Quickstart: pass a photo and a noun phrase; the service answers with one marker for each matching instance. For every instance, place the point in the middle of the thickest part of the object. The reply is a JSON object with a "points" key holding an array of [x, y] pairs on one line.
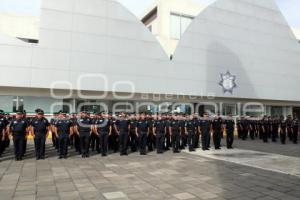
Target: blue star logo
{"points": [[228, 82]]}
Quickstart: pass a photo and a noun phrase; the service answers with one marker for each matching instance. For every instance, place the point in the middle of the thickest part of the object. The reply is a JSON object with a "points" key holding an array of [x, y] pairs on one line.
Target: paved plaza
{"points": [[212, 175]]}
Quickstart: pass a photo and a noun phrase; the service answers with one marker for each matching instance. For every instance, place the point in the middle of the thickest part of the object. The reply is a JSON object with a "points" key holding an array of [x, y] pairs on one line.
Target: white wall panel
{"points": [[15, 56], [55, 39], [62, 5], [91, 7], [50, 58], [54, 19], [89, 24]]}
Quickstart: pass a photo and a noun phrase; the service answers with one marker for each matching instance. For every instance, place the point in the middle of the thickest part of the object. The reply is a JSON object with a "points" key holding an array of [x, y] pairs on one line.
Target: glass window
{"points": [[185, 22], [179, 23], [175, 26], [18, 103]]}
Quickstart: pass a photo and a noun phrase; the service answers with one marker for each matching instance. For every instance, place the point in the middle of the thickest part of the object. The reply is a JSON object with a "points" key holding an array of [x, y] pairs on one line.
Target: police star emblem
{"points": [[228, 82]]}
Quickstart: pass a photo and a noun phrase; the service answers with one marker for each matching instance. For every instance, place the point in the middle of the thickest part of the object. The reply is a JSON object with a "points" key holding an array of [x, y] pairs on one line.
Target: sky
{"points": [[289, 8]]}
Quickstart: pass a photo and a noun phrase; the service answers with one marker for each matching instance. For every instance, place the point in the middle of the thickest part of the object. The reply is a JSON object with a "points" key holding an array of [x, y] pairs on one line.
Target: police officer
{"points": [[265, 129], [282, 129], [84, 129], [205, 128], [122, 127], [150, 137], [197, 134], [52, 127], [18, 128], [168, 133], [239, 127], [75, 137], [229, 124], [275, 127], [289, 127], [63, 130], [142, 131], [40, 128], [190, 130], [132, 135], [251, 126], [295, 129], [3, 125], [217, 130], [245, 129], [103, 129], [94, 138], [114, 137], [175, 131], [160, 129]]}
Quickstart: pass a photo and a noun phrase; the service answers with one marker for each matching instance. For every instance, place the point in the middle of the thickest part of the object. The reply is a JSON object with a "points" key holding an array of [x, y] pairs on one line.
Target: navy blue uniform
{"points": [[205, 126], [103, 129], [123, 128], [40, 129], [295, 126], [230, 132], [191, 127], [84, 129], [18, 127], [217, 132], [63, 130], [160, 131], [176, 129], [54, 139], [133, 136], [283, 130], [3, 124], [143, 131]]}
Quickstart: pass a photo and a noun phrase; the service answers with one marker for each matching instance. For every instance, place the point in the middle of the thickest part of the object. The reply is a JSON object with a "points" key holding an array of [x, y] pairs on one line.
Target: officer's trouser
{"points": [[283, 137], [103, 142], [229, 138], [274, 134], [295, 135], [176, 141], [84, 143], [191, 140], [265, 136], [94, 142], [290, 134], [39, 143], [168, 141], [217, 139], [245, 134], [63, 144], [133, 141], [205, 140], [252, 134], [142, 142], [123, 140], [77, 143], [19, 146], [1, 145], [197, 138], [150, 141], [184, 140], [160, 140]]}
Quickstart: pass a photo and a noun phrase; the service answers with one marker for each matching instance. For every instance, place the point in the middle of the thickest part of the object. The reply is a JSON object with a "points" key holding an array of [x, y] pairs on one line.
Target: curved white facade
{"points": [[250, 38]]}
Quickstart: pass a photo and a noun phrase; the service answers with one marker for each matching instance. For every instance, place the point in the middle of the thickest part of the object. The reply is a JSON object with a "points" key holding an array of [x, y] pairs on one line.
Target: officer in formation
{"points": [[3, 132], [40, 128], [269, 128], [143, 132]]}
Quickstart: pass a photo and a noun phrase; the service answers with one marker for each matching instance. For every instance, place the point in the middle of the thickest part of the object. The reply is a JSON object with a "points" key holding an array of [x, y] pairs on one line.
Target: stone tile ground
{"points": [[168, 176]]}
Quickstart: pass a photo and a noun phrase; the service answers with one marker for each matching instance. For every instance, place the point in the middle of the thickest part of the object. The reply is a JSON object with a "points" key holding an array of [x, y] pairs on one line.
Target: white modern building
{"points": [[96, 51], [169, 19]]}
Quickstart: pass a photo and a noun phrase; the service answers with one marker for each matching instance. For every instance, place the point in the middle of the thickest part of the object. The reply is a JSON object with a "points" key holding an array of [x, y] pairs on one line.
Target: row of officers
{"points": [[142, 132]]}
